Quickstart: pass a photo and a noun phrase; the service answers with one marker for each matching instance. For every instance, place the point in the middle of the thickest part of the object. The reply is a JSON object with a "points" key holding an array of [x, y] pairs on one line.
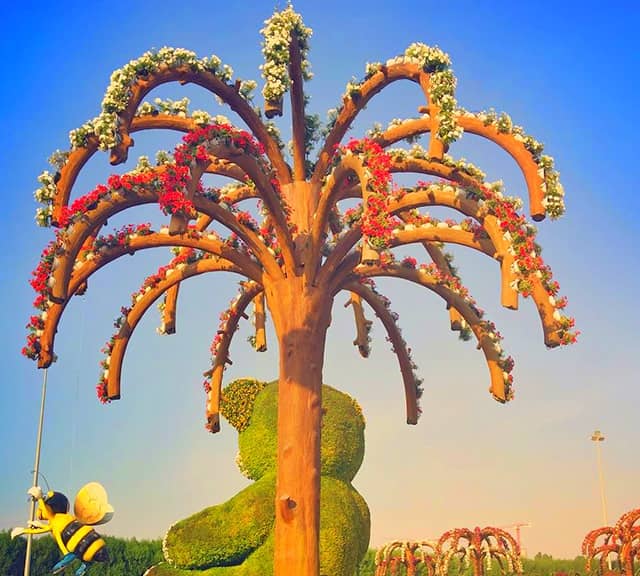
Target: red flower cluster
{"points": [[120, 237], [81, 205], [409, 262], [173, 182], [224, 132], [377, 224]]}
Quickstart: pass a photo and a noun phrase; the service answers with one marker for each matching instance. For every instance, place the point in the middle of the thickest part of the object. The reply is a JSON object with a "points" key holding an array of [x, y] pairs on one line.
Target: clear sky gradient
{"points": [[565, 71]]}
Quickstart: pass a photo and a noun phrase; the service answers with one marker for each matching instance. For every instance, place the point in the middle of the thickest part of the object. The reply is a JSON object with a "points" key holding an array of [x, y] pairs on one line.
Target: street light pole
{"points": [[597, 438]]}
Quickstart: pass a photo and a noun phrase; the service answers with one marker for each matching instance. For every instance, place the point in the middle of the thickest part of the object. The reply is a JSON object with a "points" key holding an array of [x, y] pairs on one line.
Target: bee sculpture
{"points": [[72, 532]]}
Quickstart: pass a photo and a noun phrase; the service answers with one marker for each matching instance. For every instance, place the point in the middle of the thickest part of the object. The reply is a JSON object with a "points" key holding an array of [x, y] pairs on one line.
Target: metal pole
{"points": [[598, 438], [36, 470]]}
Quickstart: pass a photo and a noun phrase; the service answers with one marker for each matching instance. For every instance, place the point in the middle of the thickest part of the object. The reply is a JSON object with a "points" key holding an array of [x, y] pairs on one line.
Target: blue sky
{"points": [[567, 73]]}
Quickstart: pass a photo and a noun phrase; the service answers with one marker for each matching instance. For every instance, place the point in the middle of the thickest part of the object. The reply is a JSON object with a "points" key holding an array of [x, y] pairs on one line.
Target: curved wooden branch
{"points": [[222, 357], [421, 199], [141, 306], [231, 198], [228, 93], [107, 207], [297, 108], [496, 247], [169, 311], [478, 326], [515, 148], [260, 315], [437, 256], [168, 322], [350, 163], [332, 193], [504, 253], [398, 343], [80, 156], [272, 202], [363, 326], [87, 268], [381, 79]]}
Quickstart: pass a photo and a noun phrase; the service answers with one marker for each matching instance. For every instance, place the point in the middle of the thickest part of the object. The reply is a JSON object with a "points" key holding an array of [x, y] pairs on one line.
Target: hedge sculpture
{"points": [[308, 248], [237, 537]]}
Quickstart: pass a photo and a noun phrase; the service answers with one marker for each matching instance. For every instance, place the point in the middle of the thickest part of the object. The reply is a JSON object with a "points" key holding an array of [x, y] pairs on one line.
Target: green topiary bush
{"points": [[236, 538]]}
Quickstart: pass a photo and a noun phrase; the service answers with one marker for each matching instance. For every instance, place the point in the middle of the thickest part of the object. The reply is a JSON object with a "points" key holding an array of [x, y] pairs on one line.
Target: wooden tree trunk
{"points": [[301, 323], [477, 564]]}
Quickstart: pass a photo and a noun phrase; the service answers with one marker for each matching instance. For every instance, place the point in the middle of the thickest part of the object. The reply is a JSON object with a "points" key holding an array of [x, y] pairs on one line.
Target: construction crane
{"points": [[517, 526]]}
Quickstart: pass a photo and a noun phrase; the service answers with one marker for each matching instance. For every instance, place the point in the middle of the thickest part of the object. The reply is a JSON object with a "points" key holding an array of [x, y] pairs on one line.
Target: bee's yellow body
{"points": [[81, 540]]}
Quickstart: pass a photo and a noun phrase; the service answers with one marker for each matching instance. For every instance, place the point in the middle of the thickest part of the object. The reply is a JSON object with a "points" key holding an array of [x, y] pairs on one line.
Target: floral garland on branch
{"points": [[47, 193], [187, 257], [441, 85], [277, 33], [552, 189], [410, 129], [366, 288], [119, 90], [171, 178], [429, 274], [376, 222], [229, 320], [517, 231]]}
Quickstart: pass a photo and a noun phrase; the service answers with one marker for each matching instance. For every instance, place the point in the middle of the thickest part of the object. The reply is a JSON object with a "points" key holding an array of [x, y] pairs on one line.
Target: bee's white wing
{"points": [[92, 505]]}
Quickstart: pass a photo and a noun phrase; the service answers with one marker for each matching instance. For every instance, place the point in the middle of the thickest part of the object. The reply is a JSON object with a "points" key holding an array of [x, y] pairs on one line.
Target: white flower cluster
{"points": [[119, 91], [246, 89], [552, 189], [375, 131], [162, 304], [353, 88], [79, 136], [143, 165], [165, 547], [242, 466], [553, 201], [274, 132], [431, 58], [43, 216], [168, 106], [442, 85], [47, 191], [464, 166], [371, 68], [45, 195], [275, 48]]}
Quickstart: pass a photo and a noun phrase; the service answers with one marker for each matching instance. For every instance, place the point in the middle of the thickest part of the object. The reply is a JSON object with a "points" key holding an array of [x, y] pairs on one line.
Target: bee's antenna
{"points": [[44, 478]]}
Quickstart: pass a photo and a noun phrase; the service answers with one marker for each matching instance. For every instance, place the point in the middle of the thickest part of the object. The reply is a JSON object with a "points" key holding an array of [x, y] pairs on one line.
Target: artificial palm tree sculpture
{"points": [[478, 548], [618, 544], [307, 249]]}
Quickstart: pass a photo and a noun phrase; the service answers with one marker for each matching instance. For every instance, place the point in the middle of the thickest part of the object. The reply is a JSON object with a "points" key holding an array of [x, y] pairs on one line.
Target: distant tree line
{"points": [[128, 557], [131, 557]]}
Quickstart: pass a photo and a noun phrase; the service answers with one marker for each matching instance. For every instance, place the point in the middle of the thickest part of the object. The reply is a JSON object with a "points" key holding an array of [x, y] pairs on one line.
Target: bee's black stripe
{"points": [[85, 542], [69, 530]]}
